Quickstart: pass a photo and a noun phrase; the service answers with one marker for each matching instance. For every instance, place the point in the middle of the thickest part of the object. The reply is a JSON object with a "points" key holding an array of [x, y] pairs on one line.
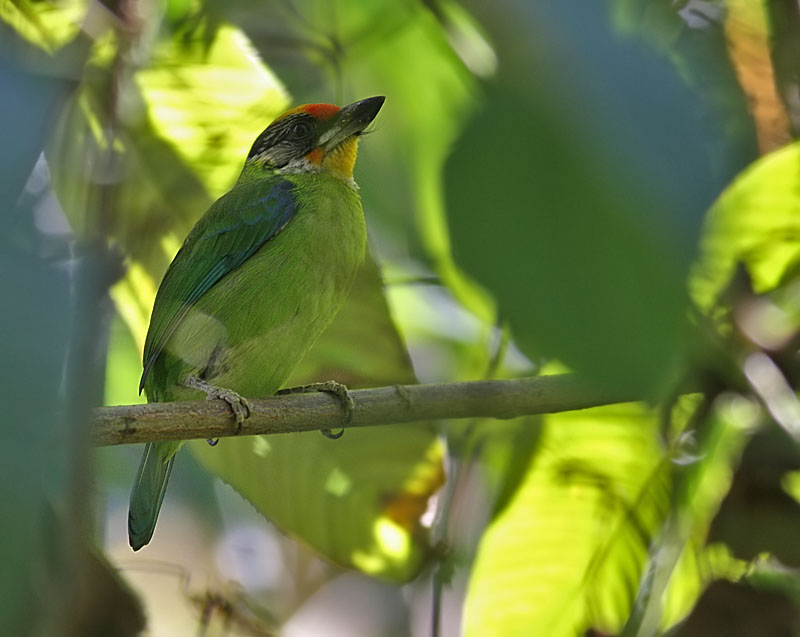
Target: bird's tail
{"points": [[148, 491]]}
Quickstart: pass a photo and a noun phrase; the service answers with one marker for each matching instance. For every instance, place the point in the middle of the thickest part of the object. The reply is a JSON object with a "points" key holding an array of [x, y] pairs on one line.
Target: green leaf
{"points": [[755, 222], [183, 126], [575, 196], [602, 510], [570, 548], [208, 101], [358, 500], [682, 561], [48, 25], [407, 197]]}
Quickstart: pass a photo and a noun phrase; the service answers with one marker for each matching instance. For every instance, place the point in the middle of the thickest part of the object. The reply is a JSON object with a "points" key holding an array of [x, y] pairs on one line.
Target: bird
{"points": [[256, 281]]}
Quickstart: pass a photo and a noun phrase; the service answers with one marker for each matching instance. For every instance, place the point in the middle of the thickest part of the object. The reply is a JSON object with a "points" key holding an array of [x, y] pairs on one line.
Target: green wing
{"points": [[232, 230]]}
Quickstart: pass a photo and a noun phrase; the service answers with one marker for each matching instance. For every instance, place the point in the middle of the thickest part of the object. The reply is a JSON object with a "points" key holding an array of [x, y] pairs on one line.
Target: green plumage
{"points": [[256, 282], [258, 278]]}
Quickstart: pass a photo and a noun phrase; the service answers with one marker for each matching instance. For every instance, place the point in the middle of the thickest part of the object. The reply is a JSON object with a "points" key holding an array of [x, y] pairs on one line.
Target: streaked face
{"points": [[288, 138], [315, 138]]}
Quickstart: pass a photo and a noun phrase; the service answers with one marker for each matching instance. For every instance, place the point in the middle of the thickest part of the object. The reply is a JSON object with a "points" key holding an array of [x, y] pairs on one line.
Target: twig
{"points": [[379, 406]]}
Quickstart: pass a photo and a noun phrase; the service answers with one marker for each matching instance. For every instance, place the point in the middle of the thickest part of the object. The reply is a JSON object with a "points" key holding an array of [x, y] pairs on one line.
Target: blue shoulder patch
{"points": [[244, 230]]}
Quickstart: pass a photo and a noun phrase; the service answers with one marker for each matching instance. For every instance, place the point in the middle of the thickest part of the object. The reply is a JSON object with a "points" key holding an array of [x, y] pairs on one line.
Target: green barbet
{"points": [[257, 280]]}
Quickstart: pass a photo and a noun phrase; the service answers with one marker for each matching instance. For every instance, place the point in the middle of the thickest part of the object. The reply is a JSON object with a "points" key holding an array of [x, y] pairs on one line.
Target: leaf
{"points": [[209, 101], [41, 326], [755, 222], [571, 545], [709, 441], [191, 111], [575, 196], [406, 198], [47, 25], [600, 505], [358, 501], [183, 127], [361, 347]]}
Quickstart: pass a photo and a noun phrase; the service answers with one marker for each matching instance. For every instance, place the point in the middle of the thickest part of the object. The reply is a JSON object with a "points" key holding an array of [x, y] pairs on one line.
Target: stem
{"points": [[379, 406]]}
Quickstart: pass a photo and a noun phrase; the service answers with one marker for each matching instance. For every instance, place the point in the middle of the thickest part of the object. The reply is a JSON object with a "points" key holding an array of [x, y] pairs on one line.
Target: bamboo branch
{"points": [[379, 406]]}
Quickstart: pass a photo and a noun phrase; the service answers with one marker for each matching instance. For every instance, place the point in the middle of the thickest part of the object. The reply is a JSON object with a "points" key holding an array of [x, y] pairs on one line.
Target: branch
{"points": [[379, 406]]}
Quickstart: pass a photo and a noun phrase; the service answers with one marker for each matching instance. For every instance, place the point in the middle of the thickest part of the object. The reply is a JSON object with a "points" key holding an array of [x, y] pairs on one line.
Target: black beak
{"points": [[351, 120]]}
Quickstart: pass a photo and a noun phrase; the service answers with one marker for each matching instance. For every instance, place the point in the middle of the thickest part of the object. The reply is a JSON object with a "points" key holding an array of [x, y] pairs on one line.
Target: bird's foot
{"points": [[328, 433], [238, 404], [330, 387]]}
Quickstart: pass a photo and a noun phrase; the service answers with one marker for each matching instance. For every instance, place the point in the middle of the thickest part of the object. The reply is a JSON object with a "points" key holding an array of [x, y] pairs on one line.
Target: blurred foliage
{"points": [[607, 188], [739, 610], [567, 201]]}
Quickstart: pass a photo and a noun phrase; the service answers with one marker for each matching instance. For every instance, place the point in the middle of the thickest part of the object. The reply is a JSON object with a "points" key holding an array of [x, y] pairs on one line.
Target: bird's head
{"points": [[315, 138]]}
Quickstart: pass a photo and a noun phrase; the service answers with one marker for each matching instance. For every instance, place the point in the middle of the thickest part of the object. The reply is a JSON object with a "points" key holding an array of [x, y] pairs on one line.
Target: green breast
{"points": [[250, 329]]}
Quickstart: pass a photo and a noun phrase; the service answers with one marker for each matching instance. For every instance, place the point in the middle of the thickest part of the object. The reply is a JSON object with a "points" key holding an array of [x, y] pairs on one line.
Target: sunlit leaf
{"points": [[48, 25], [209, 102], [681, 561], [598, 508], [357, 500], [755, 222], [183, 127], [570, 548]]}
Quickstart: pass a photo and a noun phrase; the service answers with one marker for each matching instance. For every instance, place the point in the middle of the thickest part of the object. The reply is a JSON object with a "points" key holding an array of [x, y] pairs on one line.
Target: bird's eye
{"points": [[300, 130]]}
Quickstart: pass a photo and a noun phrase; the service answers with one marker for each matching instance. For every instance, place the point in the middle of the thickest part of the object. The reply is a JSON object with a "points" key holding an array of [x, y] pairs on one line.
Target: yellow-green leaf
{"points": [[570, 548], [603, 504], [48, 25], [357, 500], [183, 125], [756, 222]]}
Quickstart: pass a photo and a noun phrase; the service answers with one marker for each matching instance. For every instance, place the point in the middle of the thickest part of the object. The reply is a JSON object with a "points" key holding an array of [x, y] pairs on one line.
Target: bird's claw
{"points": [[343, 394], [329, 387], [239, 404]]}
